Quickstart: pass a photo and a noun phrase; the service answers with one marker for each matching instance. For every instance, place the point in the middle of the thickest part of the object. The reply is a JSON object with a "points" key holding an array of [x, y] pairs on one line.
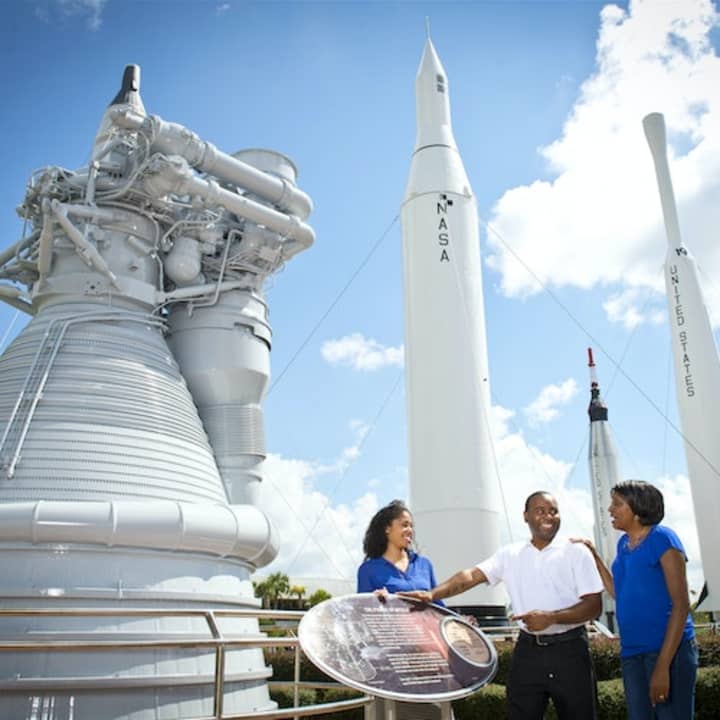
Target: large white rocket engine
{"points": [[130, 412]]}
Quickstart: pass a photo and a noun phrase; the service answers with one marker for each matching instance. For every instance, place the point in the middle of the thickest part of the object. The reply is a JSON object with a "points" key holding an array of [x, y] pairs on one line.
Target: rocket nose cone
{"points": [[434, 126], [430, 62], [654, 127], [129, 93]]}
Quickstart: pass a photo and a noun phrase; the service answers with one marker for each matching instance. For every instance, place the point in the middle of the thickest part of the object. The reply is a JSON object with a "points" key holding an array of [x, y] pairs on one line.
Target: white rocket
{"points": [[452, 480], [697, 369], [604, 473]]}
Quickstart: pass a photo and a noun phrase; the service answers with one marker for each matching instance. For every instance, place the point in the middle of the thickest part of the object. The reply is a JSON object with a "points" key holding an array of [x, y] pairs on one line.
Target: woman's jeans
{"points": [[636, 673]]}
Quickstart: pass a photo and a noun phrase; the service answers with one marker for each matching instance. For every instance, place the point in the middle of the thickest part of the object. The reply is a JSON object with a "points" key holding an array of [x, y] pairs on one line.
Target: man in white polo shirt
{"points": [[554, 589]]}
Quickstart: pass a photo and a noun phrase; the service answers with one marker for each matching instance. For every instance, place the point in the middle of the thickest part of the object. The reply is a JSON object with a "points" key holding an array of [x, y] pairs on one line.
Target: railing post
{"points": [[219, 694], [296, 676]]}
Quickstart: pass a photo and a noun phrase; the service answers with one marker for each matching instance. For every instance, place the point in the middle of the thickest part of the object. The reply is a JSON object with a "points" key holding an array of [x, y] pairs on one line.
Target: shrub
{"points": [[611, 700], [487, 703], [707, 693], [606, 658], [504, 650], [709, 647]]}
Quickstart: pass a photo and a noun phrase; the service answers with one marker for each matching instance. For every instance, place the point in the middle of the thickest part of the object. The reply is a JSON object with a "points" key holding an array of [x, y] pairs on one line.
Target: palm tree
{"points": [[298, 590], [277, 584], [318, 596]]}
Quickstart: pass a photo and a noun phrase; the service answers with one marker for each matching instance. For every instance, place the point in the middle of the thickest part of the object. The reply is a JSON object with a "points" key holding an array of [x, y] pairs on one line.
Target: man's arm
{"points": [[458, 583], [589, 607]]}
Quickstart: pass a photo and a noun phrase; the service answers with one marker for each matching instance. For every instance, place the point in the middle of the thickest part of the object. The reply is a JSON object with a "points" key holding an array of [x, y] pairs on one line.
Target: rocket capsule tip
{"points": [[129, 93], [654, 127], [591, 361]]}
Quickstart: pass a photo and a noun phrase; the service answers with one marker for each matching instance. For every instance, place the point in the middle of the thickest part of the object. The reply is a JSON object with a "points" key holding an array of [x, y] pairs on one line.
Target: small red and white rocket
{"points": [[604, 473]]}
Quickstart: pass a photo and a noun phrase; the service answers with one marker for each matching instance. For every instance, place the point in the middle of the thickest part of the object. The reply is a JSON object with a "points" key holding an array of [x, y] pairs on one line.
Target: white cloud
{"points": [[598, 220], [91, 10], [322, 539], [317, 537], [680, 516], [544, 407], [525, 469], [222, 8], [361, 353], [629, 308]]}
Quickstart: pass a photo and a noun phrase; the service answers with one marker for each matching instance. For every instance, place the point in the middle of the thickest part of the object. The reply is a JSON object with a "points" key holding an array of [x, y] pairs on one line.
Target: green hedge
{"points": [[490, 701]]}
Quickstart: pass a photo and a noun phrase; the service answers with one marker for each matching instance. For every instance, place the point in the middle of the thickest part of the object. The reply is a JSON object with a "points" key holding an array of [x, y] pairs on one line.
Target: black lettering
{"points": [[442, 208], [444, 257], [443, 239], [442, 225]]}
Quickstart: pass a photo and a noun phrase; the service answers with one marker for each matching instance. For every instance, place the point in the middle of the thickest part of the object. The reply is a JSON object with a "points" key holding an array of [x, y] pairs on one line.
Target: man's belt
{"points": [[544, 640]]}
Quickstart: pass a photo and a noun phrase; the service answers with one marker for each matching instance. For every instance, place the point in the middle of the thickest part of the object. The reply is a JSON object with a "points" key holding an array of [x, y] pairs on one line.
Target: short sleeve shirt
{"points": [[378, 573], [553, 578], [642, 600]]}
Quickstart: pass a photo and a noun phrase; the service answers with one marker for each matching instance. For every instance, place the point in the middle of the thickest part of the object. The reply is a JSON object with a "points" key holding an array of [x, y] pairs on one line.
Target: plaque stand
{"points": [[383, 709]]}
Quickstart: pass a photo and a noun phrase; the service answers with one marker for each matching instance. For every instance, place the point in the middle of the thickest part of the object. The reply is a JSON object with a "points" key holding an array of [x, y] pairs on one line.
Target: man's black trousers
{"points": [[558, 667]]}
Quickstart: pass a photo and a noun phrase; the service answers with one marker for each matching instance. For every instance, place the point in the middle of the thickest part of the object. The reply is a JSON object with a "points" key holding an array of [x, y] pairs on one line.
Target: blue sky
{"points": [[547, 101]]}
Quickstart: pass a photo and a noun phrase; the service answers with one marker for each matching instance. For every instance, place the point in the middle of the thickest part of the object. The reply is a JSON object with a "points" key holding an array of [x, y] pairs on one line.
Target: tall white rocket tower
{"points": [[604, 474], [453, 486], [697, 369]]}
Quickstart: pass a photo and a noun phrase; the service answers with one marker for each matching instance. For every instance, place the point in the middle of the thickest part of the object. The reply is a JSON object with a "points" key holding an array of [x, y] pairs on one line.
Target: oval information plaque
{"points": [[399, 649]]}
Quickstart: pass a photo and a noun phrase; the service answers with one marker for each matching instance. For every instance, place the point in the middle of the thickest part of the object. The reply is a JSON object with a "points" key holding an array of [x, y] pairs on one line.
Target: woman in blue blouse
{"points": [[390, 563], [658, 652]]}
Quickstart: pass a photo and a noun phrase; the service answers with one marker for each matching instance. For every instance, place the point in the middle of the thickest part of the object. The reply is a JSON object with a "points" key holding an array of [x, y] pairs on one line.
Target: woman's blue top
{"points": [[378, 573], [642, 600]]}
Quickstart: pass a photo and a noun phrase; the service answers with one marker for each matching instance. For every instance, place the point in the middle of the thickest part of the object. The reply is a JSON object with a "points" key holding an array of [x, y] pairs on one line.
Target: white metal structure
{"points": [[604, 473], [130, 412], [697, 369], [453, 486]]}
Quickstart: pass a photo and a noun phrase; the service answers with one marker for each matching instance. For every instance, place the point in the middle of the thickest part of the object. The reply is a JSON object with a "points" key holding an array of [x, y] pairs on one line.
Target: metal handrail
{"points": [[216, 641]]}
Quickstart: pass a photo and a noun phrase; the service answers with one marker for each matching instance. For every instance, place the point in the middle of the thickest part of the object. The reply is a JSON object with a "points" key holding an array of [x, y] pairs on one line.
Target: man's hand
{"points": [[422, 595], [535, 620]]}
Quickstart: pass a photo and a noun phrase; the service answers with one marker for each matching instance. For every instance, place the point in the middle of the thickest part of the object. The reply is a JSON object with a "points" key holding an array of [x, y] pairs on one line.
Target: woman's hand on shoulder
{"points": [[587, 543]]}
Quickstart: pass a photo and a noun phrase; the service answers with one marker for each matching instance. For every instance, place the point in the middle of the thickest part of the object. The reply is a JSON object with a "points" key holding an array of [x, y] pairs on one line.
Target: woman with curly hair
{"points": [[391, 565]]}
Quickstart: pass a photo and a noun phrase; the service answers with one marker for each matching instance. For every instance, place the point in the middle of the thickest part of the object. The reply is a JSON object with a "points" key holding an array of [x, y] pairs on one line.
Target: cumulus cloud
{"points": [[361, 353], [318, 536], [544, 407], [322, 538], [680, 516], [627, 307], [596, 220], [89, 10]]}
